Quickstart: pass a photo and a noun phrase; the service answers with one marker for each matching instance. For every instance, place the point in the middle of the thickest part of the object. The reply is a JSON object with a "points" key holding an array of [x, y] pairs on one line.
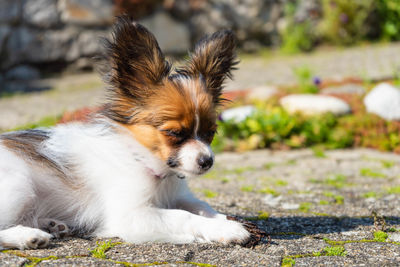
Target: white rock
{"points": [[394, 237], [290, 206], [314, 104], [262, 92], [384, 101], [237, 114], [173, 36], [272, 200]]}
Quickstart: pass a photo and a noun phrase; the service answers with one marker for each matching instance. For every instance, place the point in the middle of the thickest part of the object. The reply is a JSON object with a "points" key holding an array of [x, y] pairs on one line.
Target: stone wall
{"points": [[39, 36]]}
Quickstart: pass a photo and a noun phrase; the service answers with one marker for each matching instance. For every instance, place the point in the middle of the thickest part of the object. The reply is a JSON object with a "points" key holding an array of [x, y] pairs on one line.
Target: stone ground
{"points": [[70, 92], [319, 209]]}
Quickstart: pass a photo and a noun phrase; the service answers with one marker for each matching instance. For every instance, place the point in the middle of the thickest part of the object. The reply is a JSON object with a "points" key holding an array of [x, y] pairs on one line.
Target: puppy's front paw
{"points": [[30, 238], [225, 231]]}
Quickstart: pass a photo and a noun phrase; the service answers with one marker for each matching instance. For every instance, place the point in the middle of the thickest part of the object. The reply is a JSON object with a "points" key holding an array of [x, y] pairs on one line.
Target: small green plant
{"points": [[370, 173], [335, 251], [305, 81], [247, 188], [338, 181], [267, 190], [211, 175], [387, 164], [263, 215], [394, 190], [241, 170], [324, 202], [305, 206], [317, 254], [338, 198], [209, 193], [269, 165], [380, 236], [369, 194], [281, 183], [102, 248], [318, 152], [288, 262], [44, 122]]}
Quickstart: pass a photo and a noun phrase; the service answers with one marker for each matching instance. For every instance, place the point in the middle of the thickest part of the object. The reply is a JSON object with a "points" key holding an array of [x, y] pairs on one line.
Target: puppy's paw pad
{"points": [[37, 239], [57, 228]]}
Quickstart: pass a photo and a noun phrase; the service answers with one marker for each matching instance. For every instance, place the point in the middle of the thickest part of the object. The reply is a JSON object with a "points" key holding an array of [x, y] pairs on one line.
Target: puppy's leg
{"points": [[22, 237], [196, 206], [57, 228], [179, 226], [187, 201]]}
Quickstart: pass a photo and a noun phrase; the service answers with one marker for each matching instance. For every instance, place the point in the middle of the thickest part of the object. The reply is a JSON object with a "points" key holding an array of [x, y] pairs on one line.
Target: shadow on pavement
{"points": [[298, 226]]}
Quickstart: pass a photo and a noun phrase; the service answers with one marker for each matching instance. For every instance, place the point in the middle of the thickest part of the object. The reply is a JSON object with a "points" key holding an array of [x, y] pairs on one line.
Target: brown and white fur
{"points": [[122, 173]]}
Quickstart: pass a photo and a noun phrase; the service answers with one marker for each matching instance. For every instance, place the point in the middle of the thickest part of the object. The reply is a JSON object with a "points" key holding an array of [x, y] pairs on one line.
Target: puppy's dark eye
{"points": [[178, 135]]}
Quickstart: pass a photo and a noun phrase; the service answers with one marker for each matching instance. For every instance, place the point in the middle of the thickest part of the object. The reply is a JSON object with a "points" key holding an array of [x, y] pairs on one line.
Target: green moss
{"points": [[101, 249], [370, 173], [337, 198], [247, 188], [44, 122], [318, 152], [209, 193], [225, 180], [338, 181], [268, 190], [263, 215], [288, 262], [369, 194], [394, 190], [211, 175], [317, 254], [387, 164], [335, 251], [324, 202], [305, 206], [380, 236], [241, 170], [281, 183], [269, 165], [33, 261]]}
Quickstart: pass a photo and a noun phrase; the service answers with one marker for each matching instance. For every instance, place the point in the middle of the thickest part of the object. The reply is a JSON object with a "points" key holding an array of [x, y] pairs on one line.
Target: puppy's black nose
{"points": [[205, 162]]}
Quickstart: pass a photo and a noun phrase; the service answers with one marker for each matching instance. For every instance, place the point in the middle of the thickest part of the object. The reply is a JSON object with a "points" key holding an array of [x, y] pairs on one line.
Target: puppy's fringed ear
{"points": [[136, 68], [213, 59]]}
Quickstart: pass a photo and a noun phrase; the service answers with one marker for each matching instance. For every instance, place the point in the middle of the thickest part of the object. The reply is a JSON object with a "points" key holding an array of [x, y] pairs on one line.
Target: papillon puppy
{"points": [[123, 173]]}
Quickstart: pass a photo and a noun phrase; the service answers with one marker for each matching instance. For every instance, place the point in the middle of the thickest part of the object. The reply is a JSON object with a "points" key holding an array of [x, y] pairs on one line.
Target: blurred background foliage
{"points": [[341, 22]]}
